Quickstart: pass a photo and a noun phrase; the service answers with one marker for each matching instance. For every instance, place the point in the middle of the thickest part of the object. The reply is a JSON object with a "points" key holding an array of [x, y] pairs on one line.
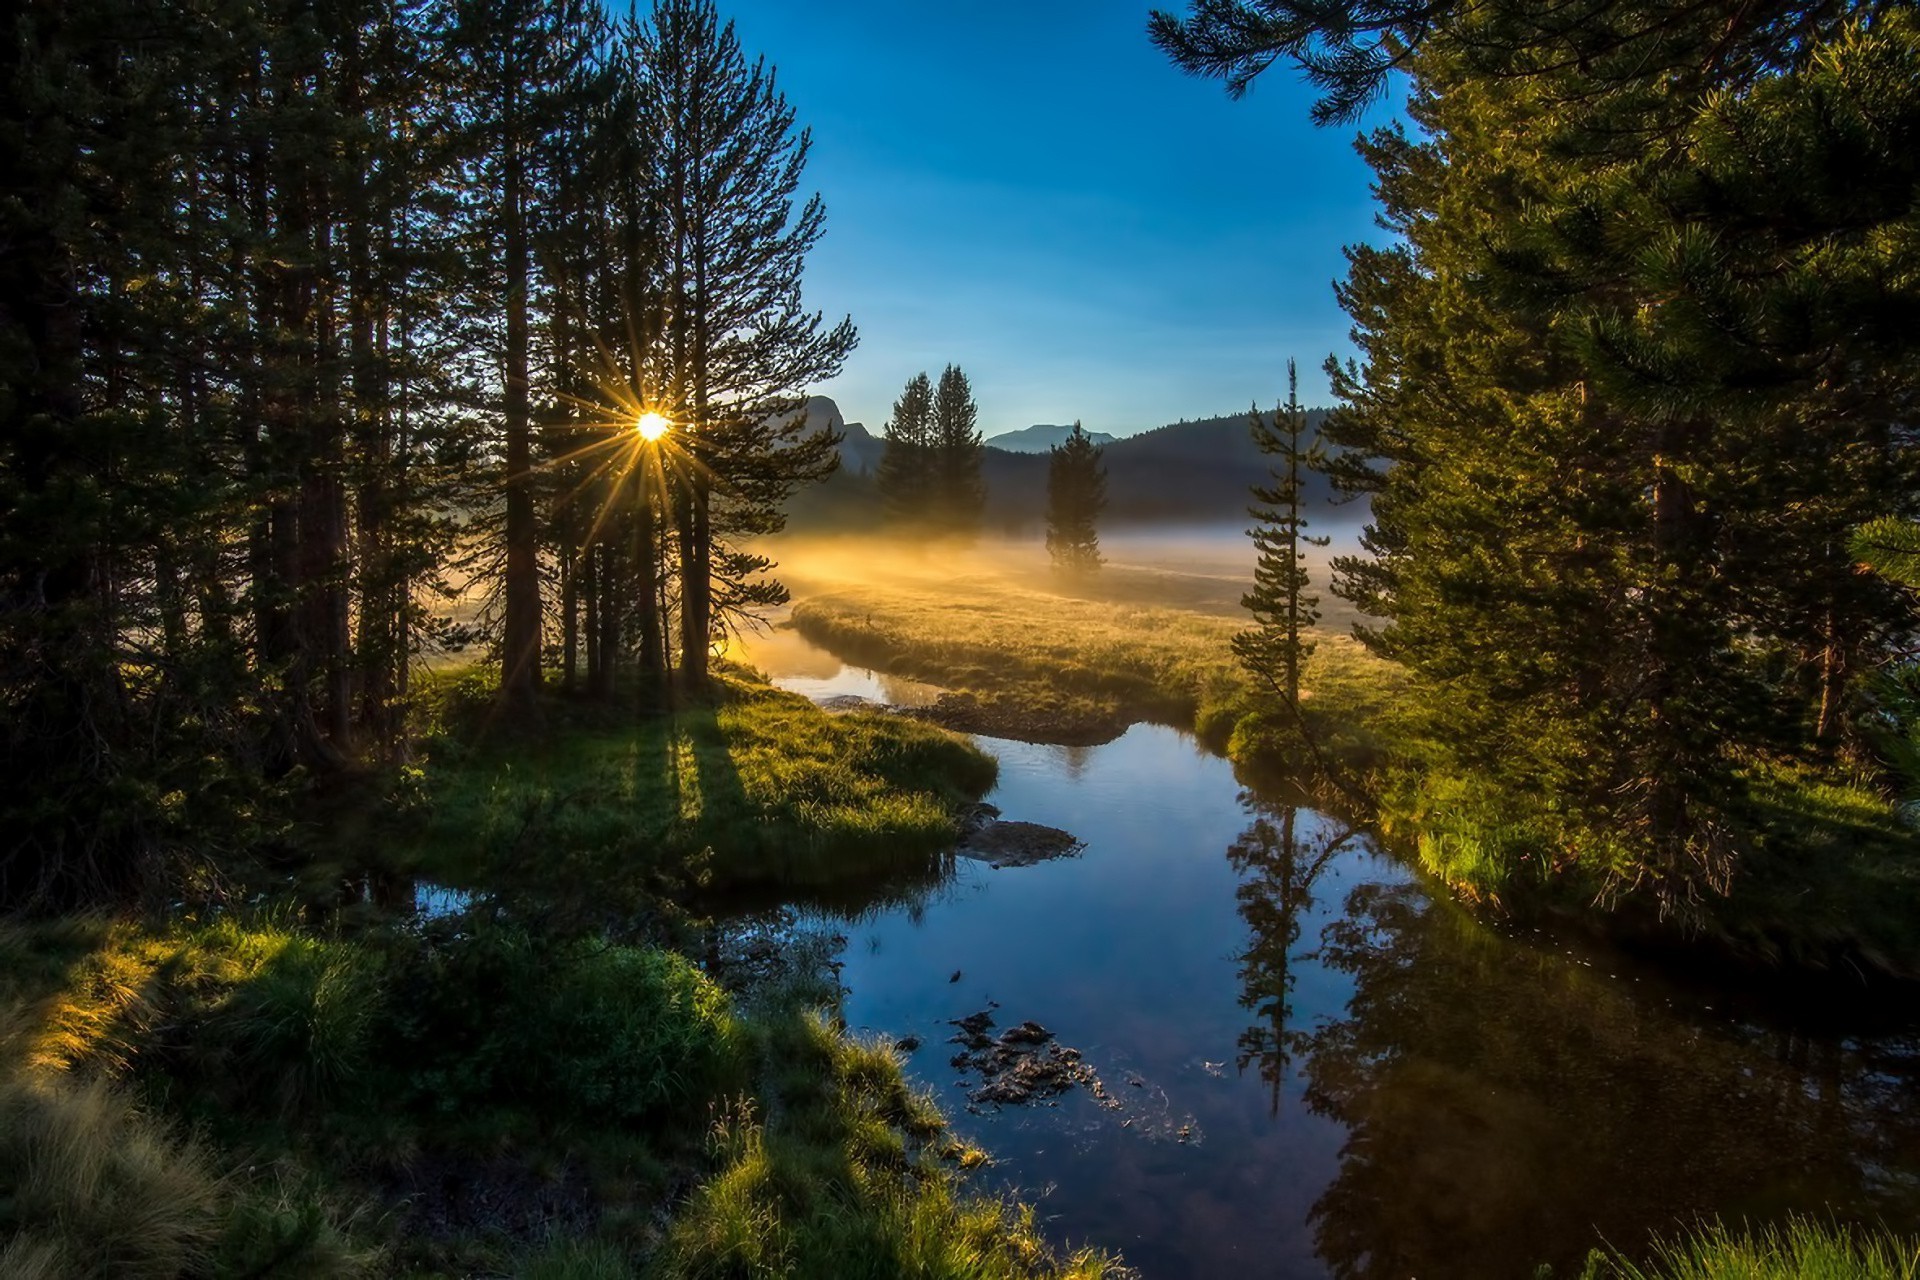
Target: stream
{"points": [[1314, 1066]]}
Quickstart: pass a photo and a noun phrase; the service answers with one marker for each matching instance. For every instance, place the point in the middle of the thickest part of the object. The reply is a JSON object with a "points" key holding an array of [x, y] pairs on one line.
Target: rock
{"points": [[955, 977], [1028, 1032], [1023, 1066], [975, 816], [973, 1023], [847, 702], [907, 1044], [1018, 844]]}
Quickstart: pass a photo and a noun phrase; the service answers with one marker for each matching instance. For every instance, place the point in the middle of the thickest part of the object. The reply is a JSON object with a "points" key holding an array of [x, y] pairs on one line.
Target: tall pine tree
{"points": [[906, 473], [741, 349], [1282, 601], [960, 494]]}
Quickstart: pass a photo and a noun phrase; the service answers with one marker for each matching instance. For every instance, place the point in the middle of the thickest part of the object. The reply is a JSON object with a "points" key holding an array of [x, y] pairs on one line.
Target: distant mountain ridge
{"points": [[1182, 473], [1040, 438]]}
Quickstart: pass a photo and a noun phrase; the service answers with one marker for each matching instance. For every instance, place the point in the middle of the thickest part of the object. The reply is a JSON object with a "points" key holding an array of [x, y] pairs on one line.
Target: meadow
{"points": [[1828, 881]]}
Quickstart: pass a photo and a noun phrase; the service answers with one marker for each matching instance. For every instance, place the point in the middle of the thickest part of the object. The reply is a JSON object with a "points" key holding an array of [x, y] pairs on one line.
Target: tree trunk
{"points": [[520, 649]]}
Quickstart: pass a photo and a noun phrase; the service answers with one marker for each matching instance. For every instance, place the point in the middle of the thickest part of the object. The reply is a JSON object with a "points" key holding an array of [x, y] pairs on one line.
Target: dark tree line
{"points": [[1641, 356], [312, 311]]}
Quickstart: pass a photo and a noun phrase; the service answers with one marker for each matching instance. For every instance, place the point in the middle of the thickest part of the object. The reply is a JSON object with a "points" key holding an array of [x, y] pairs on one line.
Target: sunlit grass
{"points": [[1055, 654], [1803, 1249], [845, 1173], [754, 787]]}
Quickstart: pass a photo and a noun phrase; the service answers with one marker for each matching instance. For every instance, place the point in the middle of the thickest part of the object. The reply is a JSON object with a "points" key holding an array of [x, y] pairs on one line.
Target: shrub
{"points": [[574, 1031]]}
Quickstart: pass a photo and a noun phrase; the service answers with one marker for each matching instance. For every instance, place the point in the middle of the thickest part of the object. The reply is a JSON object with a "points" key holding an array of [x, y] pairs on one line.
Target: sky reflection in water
{"points": [[1372, 1083]]}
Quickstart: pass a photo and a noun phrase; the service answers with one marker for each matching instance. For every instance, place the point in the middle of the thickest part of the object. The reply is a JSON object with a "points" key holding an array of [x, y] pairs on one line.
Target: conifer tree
{"points": [[1282, 602], [1076, 495], [741, 349], [960, 494], [1629, 376], [522, 57], [906, 472]]}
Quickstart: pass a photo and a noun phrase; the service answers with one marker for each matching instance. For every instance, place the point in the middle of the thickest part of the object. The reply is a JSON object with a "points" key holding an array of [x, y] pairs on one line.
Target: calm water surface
{"points": [[1324, 1071]]}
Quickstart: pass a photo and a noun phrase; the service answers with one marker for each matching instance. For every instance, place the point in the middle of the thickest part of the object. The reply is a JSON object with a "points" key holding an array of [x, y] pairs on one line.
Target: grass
{"points": [[1828, 880], [755, 787], [273, 1091], [843, 1171], [1802, 1249], [1054, 657], [469, 1049]]}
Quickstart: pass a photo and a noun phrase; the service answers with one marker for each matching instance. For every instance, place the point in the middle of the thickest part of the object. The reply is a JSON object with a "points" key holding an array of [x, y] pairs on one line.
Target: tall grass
{"points": [[841, 1177], [1802, 1249], [94, 1188]]}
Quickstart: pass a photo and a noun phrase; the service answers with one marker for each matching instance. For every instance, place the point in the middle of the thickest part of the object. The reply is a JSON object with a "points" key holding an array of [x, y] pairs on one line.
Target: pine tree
{"points": [[522, 57], [1282, 602], [1629, 376], [741, 348], [1076, 495], [906, 472], [960, 494]]}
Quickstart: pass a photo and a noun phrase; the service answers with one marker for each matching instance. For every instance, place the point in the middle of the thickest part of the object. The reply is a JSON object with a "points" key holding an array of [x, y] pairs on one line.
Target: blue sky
{"points": [[1033, 192]]}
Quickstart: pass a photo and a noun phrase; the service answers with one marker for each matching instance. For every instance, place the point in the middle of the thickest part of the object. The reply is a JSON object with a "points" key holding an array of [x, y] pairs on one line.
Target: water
{"points": [[1323, 1070]]}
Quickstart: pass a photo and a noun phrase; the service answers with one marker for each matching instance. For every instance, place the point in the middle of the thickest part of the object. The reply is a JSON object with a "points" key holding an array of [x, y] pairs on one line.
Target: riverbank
{"points": [[1829, 880], [560, 1078]]}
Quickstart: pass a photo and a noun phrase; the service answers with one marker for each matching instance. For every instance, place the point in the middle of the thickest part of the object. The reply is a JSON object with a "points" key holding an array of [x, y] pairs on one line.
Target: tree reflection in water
{"points": [[1507, 1105], [1278, 863]]}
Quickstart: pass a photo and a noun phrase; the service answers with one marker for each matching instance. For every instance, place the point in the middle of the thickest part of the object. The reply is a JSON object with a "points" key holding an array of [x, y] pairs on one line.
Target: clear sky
{"points": [[1032, 192]]}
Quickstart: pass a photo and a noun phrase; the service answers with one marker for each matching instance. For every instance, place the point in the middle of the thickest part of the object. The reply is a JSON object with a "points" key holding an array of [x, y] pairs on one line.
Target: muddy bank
{"points": [[1019, 844]]}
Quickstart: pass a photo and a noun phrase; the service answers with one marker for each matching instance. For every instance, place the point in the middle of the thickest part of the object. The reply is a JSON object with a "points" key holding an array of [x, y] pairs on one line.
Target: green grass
{"points": [[468, 1048], [842, 1171], [1803, 1249], [756, 787], [261, 1092]]}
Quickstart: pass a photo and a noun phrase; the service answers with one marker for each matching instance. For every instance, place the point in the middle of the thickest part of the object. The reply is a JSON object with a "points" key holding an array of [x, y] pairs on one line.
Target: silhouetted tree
{"points": [[741, 349], [960, 494], [908, 457], [1076, 495]]}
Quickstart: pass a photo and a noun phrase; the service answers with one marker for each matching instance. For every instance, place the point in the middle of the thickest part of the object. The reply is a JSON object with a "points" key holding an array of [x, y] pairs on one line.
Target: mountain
{"points": [[1185, 473], [1039, 438], [859, 449]]}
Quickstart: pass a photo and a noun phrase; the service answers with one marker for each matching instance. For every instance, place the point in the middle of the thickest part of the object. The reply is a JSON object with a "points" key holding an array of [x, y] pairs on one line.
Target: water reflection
{"points": [[1278, 859], [1505, 1106], [1421, 1092]]}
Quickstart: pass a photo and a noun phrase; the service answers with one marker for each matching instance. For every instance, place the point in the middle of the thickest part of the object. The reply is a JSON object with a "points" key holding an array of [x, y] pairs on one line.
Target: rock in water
{"points": [[1018, 844]]}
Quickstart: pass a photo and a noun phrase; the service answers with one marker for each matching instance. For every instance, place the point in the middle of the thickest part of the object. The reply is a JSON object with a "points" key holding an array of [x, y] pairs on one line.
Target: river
{"points": [[1319, 1067]]}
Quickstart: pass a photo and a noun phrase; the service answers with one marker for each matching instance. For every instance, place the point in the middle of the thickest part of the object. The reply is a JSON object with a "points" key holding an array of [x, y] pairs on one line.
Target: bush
{"points": [[574, 1031], [299, 1027]]}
